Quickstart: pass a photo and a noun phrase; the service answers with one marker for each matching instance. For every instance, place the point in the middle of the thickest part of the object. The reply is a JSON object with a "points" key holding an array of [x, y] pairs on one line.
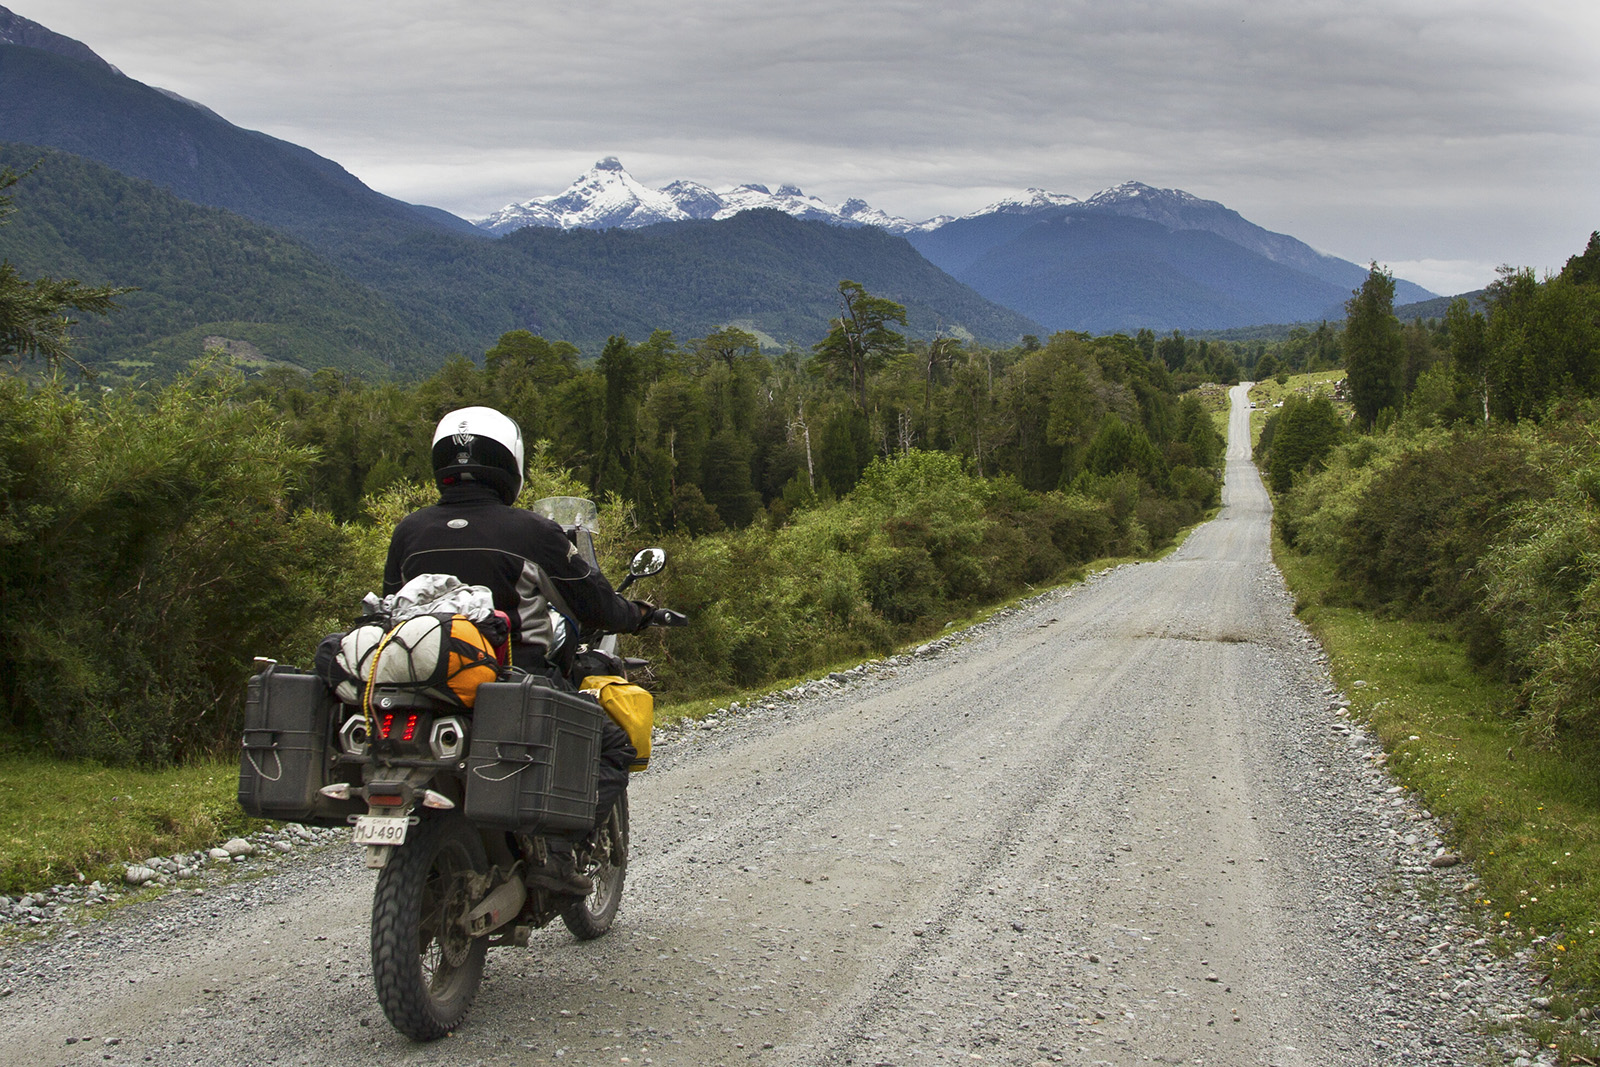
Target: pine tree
{"points": [[860, 339], [32, 314], [1374, 348]]}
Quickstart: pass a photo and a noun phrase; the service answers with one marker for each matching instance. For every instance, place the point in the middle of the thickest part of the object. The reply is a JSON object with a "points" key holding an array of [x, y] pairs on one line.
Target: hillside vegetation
{"points": [[379, 299], [818, 505], [764, 270], [199, 272]]}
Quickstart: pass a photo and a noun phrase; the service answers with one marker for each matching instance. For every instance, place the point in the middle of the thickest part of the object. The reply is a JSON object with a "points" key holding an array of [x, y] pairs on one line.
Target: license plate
{"points": [[381, 829]]}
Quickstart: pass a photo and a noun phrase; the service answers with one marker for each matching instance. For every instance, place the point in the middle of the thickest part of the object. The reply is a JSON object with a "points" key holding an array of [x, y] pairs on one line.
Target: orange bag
{"points": [[443, 656]]}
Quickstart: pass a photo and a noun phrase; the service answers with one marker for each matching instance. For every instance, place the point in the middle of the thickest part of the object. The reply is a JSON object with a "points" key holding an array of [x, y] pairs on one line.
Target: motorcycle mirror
{"points": [[648, 561]]}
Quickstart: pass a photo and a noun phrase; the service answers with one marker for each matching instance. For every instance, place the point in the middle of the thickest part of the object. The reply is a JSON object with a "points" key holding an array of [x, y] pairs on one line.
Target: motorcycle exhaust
{"points": [[449, 738], [353, 737]]}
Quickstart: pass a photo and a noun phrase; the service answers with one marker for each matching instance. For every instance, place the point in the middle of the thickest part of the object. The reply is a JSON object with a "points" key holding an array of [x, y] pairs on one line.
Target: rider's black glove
{"points": [[646, 610]]}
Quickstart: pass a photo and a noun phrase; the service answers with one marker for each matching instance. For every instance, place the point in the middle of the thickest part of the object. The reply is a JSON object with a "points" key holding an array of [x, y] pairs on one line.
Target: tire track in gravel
{"points": [[1122, 823]]}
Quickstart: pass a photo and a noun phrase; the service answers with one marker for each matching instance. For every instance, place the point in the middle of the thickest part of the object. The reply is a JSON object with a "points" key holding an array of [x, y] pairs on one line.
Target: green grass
{"points": [[1268, 394], [1526, 815], [60, 821]]}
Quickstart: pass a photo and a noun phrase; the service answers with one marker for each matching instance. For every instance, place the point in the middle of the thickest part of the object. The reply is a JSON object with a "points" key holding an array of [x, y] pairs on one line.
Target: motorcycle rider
{"points": [[536, 575]]}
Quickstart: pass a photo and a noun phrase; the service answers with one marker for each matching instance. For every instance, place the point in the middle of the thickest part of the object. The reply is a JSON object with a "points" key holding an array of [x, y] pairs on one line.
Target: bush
{"points": [[1407, 522], [1162, 518], [918, 542], [151, 555], [1416, 536], [1034, 537], [1542, 580], [1314, 515]]}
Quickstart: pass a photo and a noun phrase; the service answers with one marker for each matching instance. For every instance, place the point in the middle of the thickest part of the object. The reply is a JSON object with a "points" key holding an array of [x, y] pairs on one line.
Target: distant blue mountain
{"points": [[1103, 274], [1135, 256]]}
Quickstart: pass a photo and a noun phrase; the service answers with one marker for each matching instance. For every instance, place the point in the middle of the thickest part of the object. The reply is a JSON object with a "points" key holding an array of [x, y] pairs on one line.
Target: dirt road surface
{"points": [[1124, 823]]}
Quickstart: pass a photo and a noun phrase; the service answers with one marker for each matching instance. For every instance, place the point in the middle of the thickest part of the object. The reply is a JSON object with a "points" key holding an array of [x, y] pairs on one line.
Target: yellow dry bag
{"points": [[630, 707]]}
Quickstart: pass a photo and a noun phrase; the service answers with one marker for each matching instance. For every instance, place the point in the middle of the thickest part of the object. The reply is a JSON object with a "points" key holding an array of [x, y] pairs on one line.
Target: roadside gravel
{"points": [[1124, 822]]}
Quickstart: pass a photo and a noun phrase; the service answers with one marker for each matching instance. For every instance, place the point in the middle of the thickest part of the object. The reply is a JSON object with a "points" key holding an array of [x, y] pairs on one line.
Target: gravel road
{"points": [[1126, 822]]}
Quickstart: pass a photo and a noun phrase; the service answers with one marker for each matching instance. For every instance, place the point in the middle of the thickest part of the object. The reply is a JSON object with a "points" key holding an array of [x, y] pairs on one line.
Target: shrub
{"points": [[1314, 515], [1408, 521], [1421, 526], [918, 542], [1542, 580], [151, 555]]}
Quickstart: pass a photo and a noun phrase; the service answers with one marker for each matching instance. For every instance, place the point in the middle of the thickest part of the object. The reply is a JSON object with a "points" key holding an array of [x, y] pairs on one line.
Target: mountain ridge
{"points": [[395, 307], [14, 29], [1005, 270], [86, 107], [607, 196], [1111, 273]]}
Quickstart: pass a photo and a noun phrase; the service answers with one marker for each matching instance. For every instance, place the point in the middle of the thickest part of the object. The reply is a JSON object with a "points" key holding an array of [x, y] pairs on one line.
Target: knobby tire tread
{"points": [[396, 941], [586, 923]]}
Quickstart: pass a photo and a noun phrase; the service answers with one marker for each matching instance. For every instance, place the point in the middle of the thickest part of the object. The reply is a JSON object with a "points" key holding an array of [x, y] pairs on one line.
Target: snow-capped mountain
{"points": [[609, 197], [1000, 250], [1035, 201], [606, 197]]}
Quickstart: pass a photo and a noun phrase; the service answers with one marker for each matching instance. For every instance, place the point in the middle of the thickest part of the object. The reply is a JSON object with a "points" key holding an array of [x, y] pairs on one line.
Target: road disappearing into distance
{"points": [[1124, 822]]}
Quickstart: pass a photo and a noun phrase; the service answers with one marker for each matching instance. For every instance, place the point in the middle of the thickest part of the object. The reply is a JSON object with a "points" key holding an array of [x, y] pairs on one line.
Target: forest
{"points": [[1463, 490], [161, 538], [817, 505]]}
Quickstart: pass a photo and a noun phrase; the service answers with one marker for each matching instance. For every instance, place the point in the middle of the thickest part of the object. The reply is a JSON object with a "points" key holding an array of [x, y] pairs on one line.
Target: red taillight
{"points": [[411, 728], [384, 724], [385, 802]]}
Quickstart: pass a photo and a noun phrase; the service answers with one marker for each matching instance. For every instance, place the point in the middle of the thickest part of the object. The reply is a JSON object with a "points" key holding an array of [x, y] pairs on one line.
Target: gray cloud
{"points": [[1409, 131]]}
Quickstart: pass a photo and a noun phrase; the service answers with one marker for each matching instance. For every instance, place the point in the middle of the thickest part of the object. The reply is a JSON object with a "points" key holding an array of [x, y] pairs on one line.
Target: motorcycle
{"points": [[456, 808]]}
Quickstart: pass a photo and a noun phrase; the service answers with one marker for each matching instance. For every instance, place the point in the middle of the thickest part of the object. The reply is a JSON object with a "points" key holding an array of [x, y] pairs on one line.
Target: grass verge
{"points": [[65, 822], [1527, 816]]}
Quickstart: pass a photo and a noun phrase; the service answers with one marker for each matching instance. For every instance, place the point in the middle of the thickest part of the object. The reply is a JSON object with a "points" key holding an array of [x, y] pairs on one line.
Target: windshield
{"points": [[569, 511]]}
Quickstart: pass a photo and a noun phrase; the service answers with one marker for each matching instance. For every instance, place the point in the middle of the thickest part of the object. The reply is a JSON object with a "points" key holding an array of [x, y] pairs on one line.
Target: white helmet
{"points": [[479, 445]]}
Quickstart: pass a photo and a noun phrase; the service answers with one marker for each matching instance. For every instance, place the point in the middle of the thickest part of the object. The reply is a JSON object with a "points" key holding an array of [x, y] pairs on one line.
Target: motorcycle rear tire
{"points": [[425, 967], [604, 858]]}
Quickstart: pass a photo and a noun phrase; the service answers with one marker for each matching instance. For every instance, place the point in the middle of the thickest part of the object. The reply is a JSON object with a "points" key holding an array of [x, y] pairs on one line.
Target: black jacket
{"points": [[525, 560]]}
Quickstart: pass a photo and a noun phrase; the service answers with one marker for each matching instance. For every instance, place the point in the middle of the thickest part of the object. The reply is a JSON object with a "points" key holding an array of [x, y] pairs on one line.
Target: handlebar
{"points": [[667, 617]]}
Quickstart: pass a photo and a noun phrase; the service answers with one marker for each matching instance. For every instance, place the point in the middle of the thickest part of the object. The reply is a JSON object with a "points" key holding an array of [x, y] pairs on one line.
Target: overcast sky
{"points": [[1440, 137]]}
